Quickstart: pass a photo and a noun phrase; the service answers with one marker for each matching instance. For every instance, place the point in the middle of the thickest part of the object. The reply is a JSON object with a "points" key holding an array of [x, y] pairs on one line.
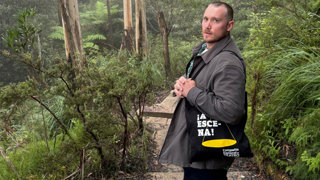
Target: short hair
{"points": [[229, 8]]}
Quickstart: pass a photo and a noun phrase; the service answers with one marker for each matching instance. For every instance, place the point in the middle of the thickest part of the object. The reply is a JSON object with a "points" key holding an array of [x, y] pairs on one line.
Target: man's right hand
{"points": [[178, 86]]}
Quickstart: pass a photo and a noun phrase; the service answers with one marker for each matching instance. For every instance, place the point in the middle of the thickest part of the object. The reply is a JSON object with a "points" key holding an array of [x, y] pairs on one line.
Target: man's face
{"points": [[215, 24]]}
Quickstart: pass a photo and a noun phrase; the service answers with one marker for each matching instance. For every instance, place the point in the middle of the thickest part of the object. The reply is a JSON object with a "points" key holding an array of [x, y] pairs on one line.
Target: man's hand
{"points": [[178, 86], [188, 84], [183, 86]]}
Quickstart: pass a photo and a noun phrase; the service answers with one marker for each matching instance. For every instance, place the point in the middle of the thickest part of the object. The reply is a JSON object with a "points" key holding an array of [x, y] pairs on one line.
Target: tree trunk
{"points": [[141, 28], [165, 34], [127, 40], [72, 33], [109, 27], [125, 134]]}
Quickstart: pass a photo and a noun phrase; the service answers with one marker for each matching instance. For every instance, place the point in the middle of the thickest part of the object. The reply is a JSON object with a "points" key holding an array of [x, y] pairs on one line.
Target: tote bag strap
{"points": [[194, 75]]}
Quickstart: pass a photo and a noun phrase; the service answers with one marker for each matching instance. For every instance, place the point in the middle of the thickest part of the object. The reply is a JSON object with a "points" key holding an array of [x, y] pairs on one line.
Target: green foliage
{"points": [[283, 65], [181, 56], [97, 25], [180, 52], [131, 76], [97, 112], [57, 33], [240, 32], [97, 16], [88, 41], [16, 93], [306, 138], [22, 38], [94, 26], [90, 106], [35, 160], [101, 101], [313, 163], [46, 16]]}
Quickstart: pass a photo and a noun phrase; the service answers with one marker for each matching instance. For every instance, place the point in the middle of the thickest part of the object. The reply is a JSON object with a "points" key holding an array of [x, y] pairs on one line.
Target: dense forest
{"points": [[75, 77]]}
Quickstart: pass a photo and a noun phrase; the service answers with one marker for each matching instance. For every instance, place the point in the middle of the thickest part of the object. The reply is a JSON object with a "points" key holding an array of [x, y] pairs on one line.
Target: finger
{"points": [[182, 80], [190, 82], [178, 83], [178, 93], [177, 86]]}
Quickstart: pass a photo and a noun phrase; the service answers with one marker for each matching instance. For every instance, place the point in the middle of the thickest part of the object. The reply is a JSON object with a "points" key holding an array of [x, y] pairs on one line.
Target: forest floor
{"points": [[242, 168]]}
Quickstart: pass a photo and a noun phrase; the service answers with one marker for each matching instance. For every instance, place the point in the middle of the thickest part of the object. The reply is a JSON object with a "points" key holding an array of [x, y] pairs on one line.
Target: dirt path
{"points": [[242, 168]]}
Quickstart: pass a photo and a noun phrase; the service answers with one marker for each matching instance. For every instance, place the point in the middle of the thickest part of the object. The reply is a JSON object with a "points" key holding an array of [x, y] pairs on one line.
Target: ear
{"points": [[230, 25]]}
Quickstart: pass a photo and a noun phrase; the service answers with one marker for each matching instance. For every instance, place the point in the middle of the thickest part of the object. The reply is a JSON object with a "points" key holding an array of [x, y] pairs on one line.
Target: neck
{"points": [[213, 43], [210, 45]]}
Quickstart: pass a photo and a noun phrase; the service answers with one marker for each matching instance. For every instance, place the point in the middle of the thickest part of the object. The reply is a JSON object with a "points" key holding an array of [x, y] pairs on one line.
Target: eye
{"points": [[216, 20], [205, 19]]}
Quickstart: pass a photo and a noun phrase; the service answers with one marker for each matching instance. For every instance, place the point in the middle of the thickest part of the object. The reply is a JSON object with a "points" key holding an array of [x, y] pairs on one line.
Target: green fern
{"points": [[288, 65], [313, 163], [96, 16], [90, 45], [57, 33], [93, 37]]}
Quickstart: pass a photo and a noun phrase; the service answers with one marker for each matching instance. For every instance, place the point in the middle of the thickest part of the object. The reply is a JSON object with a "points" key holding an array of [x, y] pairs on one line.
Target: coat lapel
{"points": [[208, 56]]}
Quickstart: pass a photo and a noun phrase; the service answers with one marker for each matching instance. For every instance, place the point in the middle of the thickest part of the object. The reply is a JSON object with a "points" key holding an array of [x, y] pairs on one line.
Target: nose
{"points": [[208, 25]]}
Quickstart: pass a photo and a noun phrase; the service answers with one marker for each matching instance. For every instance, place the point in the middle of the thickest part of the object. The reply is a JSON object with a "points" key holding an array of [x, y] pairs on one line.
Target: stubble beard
{"points": [[215, 40]]}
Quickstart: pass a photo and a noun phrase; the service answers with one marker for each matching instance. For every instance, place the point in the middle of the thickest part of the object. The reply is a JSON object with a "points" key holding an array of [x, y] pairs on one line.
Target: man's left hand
{"points": [[188, 84]]}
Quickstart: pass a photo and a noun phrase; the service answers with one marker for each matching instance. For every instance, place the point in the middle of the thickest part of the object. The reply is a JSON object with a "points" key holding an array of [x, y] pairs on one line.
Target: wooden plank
{"points": [[158, 114], [163, 110]]}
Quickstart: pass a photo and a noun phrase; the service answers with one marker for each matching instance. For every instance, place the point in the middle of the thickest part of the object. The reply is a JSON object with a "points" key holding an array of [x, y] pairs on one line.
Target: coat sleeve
{"points": [[225, 98]]}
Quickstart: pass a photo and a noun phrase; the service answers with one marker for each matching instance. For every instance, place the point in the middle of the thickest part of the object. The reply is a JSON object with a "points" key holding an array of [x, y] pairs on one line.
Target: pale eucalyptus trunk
{"points": [[128, 38], [72, 33], [141, 28]]}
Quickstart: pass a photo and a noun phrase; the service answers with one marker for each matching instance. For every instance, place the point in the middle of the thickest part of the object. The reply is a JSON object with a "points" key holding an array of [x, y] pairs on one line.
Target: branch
{"points": [[71, 175], [18, 58], [144, 101], [8, 161], [131, 116], [122, 109], [152, 26], [52, 113], [140, 109], [7, 118], [66, 83], [290, 10], [6, 53], [95, 138]]}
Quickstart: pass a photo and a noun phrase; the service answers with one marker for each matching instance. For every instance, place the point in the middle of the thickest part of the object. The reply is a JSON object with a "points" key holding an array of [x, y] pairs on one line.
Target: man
{"points": [[218, 91]]}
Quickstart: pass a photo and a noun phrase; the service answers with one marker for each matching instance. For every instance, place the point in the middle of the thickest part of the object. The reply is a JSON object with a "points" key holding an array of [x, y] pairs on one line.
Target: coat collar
{"points": [[211, 53]]}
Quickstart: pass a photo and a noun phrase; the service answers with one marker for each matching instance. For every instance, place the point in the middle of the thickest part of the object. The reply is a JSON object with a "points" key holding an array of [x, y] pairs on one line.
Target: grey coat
{"points": [[219, 94]]}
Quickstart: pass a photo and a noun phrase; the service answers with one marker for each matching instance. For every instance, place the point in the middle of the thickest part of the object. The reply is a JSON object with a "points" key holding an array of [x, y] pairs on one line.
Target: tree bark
{"points": [[165, 34], [141, 28], [72, 33], [125, 133], [109, 27], [127, 39]]}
